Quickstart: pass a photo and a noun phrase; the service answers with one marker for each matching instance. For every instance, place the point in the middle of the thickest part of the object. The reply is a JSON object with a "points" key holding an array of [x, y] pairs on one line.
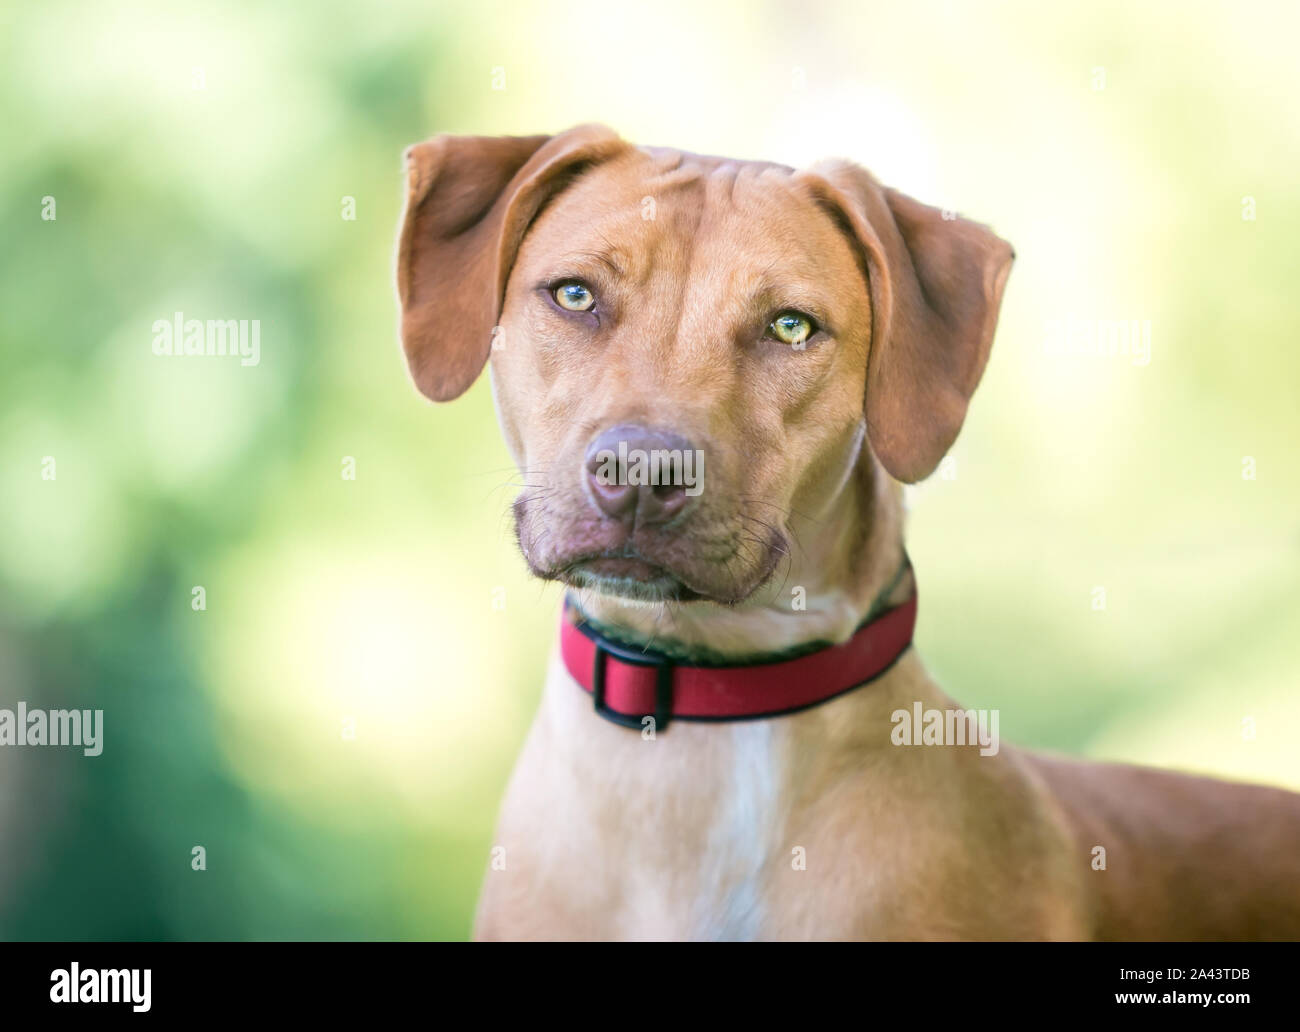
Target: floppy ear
{"points": [[469, 201], [936, 286]]}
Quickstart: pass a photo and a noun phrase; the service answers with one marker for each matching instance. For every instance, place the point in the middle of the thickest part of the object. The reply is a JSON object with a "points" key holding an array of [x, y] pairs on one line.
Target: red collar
{"points": [[628, 684]]}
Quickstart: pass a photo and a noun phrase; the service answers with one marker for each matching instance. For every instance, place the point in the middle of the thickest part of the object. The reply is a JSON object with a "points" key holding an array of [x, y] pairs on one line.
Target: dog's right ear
{"points": [[469, 201]]}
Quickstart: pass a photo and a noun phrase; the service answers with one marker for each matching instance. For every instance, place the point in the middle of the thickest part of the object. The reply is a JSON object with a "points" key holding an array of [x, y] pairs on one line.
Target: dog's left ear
{"points": [[469, 202], [936, 286]]}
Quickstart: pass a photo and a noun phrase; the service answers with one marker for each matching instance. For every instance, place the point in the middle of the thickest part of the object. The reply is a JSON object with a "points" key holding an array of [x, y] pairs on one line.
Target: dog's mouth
{"points": [[654, 565], [628, 576]]}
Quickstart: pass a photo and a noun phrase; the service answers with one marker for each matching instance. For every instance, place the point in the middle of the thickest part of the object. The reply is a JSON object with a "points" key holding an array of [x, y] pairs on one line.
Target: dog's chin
{"points": [[629, 578], [613, 565], [634, 578]]}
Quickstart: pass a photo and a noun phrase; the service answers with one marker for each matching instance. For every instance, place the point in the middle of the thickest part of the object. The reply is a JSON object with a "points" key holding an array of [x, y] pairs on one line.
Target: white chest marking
{"points": [[743, 836]]}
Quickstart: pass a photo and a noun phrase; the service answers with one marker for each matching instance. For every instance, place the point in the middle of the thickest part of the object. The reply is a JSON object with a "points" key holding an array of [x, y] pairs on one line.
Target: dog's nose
{"points": [[642, 474]]}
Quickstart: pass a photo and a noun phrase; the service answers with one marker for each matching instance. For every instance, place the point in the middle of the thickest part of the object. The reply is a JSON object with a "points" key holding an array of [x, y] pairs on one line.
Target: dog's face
{"points": [[682, 347], [646, 307]]}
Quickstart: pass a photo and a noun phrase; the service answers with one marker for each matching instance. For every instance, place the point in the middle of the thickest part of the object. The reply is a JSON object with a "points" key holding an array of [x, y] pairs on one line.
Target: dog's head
{"points": [[686, 350]]}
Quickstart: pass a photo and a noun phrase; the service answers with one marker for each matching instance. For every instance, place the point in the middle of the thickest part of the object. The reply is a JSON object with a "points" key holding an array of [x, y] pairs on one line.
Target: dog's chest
{"points": [[740, 839], [687, 829], [696, 861]]}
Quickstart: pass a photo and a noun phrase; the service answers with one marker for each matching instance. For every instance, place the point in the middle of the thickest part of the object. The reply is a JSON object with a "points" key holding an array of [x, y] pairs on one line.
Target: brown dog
{"points": [[816, 339]]}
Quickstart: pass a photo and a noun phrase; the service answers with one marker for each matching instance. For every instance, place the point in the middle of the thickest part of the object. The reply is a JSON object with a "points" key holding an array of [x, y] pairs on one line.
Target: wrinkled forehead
{"points": [[653, 210]]}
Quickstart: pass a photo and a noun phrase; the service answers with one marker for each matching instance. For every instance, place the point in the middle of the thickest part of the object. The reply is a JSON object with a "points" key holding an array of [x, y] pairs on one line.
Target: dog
{"points": [[717, 754]]}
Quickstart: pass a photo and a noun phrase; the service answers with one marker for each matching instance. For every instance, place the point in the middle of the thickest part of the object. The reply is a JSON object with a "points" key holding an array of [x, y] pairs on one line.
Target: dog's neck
{"points": [[841, 561]]}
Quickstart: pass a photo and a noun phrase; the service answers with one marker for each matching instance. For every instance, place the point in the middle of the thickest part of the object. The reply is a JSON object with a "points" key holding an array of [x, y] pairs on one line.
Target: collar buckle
{"points": [[663, 684]]}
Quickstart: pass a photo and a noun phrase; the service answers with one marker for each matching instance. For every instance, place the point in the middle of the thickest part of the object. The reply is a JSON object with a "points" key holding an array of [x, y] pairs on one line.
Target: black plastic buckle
{"points": [[663, 683]]}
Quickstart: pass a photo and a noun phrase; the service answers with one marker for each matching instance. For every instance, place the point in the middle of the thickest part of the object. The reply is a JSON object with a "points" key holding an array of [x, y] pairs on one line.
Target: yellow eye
{"points": [[792, 328], [574, 297]]}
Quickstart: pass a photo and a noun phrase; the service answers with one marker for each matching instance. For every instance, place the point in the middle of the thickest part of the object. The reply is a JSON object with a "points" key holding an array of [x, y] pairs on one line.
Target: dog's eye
{"points": [[574, 297], [793, 328]]}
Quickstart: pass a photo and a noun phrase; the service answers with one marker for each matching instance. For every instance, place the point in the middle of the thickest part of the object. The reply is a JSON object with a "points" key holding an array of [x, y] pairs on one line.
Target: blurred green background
{"points": [[200, 156]]}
